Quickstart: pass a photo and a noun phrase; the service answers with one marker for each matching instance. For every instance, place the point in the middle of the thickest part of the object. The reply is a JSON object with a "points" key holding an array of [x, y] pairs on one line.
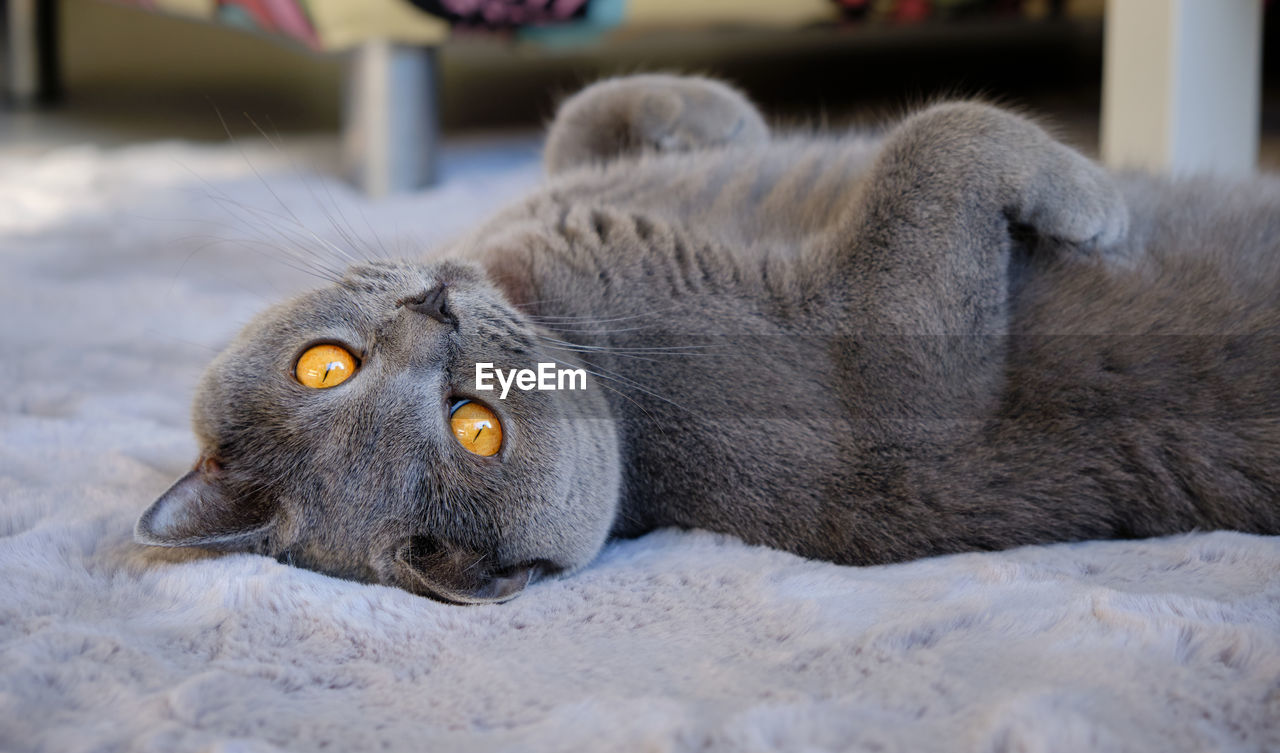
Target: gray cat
{"points": [[965, 336]]}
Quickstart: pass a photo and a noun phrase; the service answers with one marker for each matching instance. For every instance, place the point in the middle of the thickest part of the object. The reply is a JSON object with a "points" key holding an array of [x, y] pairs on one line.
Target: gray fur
{"points": [[964, 336]]}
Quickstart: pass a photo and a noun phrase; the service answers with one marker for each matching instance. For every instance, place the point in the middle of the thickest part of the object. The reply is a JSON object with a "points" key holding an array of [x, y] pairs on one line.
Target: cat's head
{"points": [[331, 437]]}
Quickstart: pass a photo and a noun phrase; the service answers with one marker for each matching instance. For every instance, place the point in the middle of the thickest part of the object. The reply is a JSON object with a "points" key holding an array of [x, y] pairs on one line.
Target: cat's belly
{"points": [[1150, 387]]}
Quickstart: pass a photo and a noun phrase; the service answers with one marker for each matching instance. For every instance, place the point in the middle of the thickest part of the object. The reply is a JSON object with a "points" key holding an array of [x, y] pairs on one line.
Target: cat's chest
{"points": [[780, 193]]}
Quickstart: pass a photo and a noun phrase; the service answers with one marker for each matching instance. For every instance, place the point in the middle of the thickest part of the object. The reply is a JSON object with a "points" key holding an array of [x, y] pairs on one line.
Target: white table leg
{"points": [[1182, 84]]}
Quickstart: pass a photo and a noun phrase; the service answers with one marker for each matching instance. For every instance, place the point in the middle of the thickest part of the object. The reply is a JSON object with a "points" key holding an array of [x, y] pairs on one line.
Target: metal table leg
{"points": [[390, 124]]}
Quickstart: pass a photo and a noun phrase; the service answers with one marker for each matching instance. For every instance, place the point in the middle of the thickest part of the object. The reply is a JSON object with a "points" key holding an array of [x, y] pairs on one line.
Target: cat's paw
{"points": [[1074, 201], [655, 113], [1006, 162]]}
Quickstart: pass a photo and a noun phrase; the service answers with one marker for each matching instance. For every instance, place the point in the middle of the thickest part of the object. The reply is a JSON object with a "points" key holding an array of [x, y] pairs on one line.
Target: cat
{"points": [[961, 336]]}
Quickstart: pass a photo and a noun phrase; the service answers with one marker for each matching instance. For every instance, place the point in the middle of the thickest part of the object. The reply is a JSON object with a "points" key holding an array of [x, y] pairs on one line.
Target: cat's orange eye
{"points": [[323, 366], [476, 428]]}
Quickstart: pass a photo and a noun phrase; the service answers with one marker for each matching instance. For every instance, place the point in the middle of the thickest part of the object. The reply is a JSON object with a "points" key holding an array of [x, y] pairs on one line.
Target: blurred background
{"points": [[394, 80]]}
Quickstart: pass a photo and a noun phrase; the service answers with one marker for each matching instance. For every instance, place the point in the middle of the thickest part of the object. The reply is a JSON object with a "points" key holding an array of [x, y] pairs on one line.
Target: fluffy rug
{"points": [[124, 270]]}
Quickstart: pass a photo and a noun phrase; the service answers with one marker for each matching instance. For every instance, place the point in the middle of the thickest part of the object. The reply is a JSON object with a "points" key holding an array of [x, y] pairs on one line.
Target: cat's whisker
{"points": [[380, 250], [651, 357], [289, 257], [479, 560], [594, 320], [686, 350], [339, 253], [290, 216], [226, 203], [657, 424], [344, 229], [622, 355], [291, 246], [596, 330], [386, 254], [259, 239], [538, 301], [624, 381], [302, 264]]}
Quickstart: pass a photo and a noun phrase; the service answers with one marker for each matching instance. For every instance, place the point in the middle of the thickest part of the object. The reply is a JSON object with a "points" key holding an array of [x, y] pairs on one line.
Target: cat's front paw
{"points": [[625, 117]]}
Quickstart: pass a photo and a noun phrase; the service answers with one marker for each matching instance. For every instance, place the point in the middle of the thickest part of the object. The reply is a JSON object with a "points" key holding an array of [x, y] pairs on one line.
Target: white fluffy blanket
{"points": [[124, 270]]}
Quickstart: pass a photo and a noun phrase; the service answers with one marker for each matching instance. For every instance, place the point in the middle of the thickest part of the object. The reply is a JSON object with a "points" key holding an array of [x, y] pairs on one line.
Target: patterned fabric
{"points": [[328, 25], [337, 24], [321, 25], [915, 11], [285, 17], [504, 13]]}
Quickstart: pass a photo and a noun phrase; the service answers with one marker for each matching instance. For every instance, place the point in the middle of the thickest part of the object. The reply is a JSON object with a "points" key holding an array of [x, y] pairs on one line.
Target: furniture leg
{"points": [[390, 117], [1182, 85], [30, 51]]}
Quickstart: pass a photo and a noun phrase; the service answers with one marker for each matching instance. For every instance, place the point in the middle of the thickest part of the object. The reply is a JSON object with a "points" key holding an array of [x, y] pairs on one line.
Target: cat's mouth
{"points": [[430, 566]]}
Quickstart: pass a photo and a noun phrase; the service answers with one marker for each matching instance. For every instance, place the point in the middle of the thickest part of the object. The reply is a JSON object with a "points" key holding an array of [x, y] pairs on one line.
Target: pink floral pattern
{"points": [[504, 13]]}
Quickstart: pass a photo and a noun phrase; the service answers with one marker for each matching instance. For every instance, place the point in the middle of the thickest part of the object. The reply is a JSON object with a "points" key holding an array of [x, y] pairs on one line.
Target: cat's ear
{"points": [[624, 117], [430, 566], [199, 511]]}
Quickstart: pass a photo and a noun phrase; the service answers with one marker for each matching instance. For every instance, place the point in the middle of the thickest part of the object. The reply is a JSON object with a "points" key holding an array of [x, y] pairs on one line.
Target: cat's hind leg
{"points": [[625, 117], [950, 189], [925, 266]]}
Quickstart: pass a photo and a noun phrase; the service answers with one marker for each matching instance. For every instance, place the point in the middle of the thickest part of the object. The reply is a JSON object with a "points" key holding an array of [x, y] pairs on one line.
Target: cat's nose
{"points": [[432, 303]]}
